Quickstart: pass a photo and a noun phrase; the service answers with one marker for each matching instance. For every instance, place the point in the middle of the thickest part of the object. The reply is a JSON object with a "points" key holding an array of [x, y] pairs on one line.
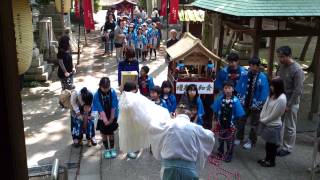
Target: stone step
{"points": [[55, 17], [37, 61], [36, 77], [38, 70]]}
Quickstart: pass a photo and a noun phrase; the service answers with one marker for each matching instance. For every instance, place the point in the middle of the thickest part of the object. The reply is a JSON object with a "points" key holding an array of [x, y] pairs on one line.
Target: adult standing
{"points": [[173, 39], [66, 69], [270, 119], [119, 39], [108, 29], [293, 76]]}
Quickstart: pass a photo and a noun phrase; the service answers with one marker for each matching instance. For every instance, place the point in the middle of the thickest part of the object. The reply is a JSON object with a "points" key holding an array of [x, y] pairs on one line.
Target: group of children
{"points": [[139, 33]]}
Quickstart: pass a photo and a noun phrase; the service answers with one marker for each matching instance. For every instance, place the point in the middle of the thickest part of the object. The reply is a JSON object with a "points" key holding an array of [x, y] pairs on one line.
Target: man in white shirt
{"points": [[182, 146]]}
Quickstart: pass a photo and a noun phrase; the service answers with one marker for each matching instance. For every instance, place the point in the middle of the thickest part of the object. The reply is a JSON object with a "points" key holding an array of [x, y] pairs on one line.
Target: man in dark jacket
{"points": [[173, 39]]}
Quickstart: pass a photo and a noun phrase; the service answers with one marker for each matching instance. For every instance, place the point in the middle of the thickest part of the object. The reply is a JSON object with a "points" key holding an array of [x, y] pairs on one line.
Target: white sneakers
{"points": [[237, 142], [247, 145]]}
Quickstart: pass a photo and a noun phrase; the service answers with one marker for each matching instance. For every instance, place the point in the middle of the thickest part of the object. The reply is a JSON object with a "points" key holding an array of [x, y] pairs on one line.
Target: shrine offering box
{"points": [[128, 76]]}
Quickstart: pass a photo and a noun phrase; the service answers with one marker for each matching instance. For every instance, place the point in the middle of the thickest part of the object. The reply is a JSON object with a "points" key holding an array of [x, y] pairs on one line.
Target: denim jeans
{"points": [[108, 45]]}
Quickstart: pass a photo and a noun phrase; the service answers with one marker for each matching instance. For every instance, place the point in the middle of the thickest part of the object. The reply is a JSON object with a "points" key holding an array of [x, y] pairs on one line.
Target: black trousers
{"points": [[271, 152]]}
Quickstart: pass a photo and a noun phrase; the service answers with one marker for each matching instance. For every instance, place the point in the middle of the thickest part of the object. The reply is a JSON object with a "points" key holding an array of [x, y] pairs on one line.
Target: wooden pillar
{"points": [[187, 26], [220, 46], [202, 29], [257, 36], [271, 56], [305, 48], [13, 150], [316, 80]]}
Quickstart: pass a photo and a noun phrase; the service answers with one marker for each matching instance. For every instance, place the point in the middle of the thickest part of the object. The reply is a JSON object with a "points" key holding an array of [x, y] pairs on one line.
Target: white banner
{"points": [[203, 87]]}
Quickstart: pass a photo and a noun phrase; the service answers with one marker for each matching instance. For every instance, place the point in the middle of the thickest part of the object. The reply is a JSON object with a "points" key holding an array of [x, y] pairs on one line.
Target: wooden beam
{"points": [[271, 56], [257, 36], [239, 28], [13, 149], [288, 33]]}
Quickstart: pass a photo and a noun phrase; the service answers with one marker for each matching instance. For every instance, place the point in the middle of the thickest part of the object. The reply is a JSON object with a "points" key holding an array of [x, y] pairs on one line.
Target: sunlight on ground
{"points": [[33, 160]]}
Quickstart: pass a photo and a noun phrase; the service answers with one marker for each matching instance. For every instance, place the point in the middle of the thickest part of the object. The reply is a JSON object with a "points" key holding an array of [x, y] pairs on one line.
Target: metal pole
{"points": [[62, 16], [55, 170], [168, 6], [79, 32]]}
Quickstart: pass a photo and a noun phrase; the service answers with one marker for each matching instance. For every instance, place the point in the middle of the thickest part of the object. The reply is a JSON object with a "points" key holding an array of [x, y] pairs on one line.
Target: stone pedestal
{"points": [[39, 70]]}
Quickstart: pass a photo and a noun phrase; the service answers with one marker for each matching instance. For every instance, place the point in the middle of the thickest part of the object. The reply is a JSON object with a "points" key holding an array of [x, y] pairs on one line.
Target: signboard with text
{"points": [[203, 87]]}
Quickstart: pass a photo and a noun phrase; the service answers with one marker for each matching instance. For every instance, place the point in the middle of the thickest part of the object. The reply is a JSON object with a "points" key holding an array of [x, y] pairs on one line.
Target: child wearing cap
{"points": [[153, 37], [106, 103], [140, 43], [227, 110]]}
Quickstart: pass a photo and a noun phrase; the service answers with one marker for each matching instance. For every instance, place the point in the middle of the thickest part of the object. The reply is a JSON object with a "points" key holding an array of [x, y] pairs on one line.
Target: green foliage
{"points": [[43, 2], [97, 5], [142, 3]]}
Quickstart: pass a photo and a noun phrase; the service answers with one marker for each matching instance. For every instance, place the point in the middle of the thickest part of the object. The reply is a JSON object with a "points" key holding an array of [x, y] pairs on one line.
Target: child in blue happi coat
{"points": [[169, 97], [192, 98], [145, 81], [253, 91], [227, 110], [155, 93], [81, 120], [140, 43], [232, 72], [105, 102], [153, 39]]}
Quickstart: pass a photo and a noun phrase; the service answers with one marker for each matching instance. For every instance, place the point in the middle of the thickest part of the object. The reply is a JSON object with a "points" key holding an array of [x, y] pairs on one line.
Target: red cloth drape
{"points": [[174, 10], [77, 8], [88, 15], [163, 11]]}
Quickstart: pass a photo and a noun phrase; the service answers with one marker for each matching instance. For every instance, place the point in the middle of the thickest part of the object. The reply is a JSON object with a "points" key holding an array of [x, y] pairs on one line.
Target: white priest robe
{"points": [[142, 122]]}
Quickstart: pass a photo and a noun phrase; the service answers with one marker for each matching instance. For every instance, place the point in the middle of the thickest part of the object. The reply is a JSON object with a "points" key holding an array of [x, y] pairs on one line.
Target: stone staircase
{"points": [[50, 11], [40, 70]]}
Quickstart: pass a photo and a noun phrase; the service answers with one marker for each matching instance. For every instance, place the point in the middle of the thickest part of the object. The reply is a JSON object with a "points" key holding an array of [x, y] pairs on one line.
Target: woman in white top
{"points": [[271, 123]]}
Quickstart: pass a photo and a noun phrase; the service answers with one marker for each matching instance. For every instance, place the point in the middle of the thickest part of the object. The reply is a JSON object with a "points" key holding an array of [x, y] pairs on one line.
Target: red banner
{"points": [[76, 8], [174, 10], [88, 15], [163, 11]]}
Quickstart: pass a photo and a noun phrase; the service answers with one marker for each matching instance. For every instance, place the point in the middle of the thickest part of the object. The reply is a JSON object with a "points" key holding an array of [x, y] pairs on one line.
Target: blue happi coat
{"points": [[171, 102], [223, 76], [153, 36], [140, 41], [163, 104], [130, 38], [260, 92], [237, 110]]}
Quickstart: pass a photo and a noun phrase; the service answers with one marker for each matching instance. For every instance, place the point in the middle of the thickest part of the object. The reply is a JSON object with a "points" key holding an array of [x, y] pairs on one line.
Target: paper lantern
{"points": [[66, 5], [22, 18]]}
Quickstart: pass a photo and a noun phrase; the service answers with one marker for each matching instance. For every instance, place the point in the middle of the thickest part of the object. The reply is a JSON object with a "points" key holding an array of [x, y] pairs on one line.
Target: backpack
{"points": [[65, 98]]}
